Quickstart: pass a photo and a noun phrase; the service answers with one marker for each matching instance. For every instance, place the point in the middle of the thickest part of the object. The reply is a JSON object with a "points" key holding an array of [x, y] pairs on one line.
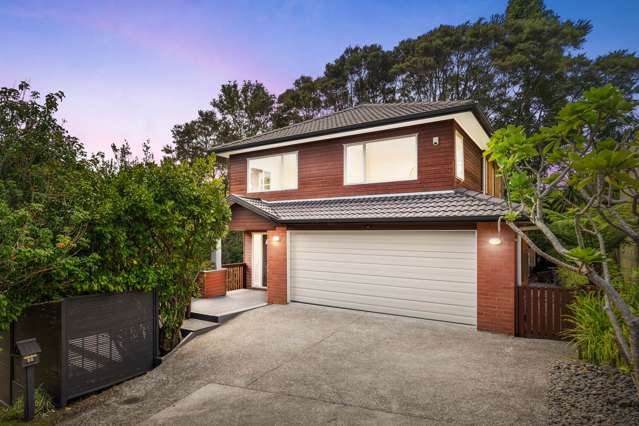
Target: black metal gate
{"points": [[88, 343], [107, 339]]}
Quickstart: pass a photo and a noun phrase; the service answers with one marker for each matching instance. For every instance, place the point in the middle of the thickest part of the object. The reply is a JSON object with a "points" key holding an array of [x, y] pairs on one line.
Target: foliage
{"points": [[44, 195], [571, 279], [531, 55], [448, 63], [153, 227], [233, 247], [522, 66], [237, 112], [43, 406], [302, 102], [72, 225], [592, 331], [591, 153]]}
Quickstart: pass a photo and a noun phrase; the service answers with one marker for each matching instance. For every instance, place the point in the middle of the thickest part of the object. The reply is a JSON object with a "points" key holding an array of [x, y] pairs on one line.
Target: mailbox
{"points": [[28, 351]]}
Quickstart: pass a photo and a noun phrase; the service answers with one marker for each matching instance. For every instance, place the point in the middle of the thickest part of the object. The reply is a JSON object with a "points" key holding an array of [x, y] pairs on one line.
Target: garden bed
{"points": [[586, 394]]}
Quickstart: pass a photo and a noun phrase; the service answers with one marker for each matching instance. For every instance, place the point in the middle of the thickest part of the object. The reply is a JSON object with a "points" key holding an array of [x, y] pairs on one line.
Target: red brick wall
{"points": [[214, 283], [496, 269], [243, 219], [321, 166], [248, 257], [276, 291]]}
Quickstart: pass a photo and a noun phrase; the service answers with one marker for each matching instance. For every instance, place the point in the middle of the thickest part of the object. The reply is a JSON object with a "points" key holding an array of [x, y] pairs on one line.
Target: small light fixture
{"points": [[276, 238], [495, 241]]}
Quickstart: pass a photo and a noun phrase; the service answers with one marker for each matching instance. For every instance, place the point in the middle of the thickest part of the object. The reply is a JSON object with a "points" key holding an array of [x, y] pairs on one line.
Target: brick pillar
{"points": [[496, 279], [248, 257], [276, 266], [214, 283]]}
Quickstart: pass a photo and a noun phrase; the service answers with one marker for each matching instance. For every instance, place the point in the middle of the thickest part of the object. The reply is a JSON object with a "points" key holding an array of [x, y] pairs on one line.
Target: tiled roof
{"points": [[361, 116], [460, 204]]}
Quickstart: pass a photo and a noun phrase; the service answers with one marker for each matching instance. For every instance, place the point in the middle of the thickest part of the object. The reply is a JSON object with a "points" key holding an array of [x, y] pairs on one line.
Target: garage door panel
{"points": [[418, 272], [443, 314], [426, 274], [387, 291], [420, 283], [389, 259], [358, 243]]}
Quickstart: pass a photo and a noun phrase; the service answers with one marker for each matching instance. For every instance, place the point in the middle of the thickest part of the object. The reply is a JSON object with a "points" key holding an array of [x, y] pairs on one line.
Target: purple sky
{"points": [[133, 69]]}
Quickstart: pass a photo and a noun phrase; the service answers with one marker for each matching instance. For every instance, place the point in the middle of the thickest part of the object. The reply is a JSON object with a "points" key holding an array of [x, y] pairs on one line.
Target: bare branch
{"points": [[539, 251]]}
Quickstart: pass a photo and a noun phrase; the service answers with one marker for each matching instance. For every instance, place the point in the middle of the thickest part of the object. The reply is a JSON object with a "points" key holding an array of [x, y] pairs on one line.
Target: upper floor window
{"points": [[272, 173], [385, 160], [459, 156]]}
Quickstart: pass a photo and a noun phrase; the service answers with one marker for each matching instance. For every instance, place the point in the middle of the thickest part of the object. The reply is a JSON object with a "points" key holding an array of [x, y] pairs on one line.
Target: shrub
{"points": [[73, 225], [570, 279], [15, 412], [153, 227], [592, 332]]}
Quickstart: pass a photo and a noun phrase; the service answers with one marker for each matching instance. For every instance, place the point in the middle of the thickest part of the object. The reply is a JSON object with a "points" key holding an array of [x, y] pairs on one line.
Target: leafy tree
{"points": [[448, 63], [238, 112], [619, 68], [153, 227], [359, 75], [302, 102], [591, 151], [45, 194], [531, 56], [71, 225]]}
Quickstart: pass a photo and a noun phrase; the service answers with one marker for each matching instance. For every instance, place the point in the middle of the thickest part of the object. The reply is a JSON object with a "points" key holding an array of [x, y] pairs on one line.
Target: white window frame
{"points": [[364, 143], [459, 173], [281, 155]]}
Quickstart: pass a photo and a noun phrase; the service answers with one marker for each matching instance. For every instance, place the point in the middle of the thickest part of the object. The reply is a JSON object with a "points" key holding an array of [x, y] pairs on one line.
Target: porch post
{"points": [[216, 255]]}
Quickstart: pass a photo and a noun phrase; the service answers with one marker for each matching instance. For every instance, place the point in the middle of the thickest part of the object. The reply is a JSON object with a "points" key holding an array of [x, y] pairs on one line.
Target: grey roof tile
{"points": [[363, 115], [460, 204]]}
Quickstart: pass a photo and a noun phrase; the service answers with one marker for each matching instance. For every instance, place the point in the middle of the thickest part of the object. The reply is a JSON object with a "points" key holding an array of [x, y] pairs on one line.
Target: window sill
{"points": [[380, 182]]}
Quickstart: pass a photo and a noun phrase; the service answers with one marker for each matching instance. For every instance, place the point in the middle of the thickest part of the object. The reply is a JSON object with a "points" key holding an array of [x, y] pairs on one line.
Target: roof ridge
{"points": [[290, 126], [415, 102]]}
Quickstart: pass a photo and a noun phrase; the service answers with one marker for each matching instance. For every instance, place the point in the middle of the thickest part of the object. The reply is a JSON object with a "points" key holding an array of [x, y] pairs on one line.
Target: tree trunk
{"points": [[169, 339]]}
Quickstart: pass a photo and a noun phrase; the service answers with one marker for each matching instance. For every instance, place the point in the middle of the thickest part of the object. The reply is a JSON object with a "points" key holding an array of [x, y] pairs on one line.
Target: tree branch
{"points": [[539, 251]]}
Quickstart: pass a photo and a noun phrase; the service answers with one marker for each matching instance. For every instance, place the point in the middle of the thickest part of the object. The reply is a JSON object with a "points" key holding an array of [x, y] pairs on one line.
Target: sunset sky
{"points": [[133, 69]]}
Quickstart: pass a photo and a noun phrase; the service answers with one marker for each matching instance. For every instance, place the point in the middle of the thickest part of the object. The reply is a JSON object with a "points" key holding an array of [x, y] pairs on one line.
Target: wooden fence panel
{"points": [[235, 276], [542, 311]]}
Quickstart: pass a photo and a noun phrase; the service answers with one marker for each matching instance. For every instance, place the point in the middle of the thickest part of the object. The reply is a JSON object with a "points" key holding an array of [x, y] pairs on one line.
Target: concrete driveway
{"points": [[303, 364]]}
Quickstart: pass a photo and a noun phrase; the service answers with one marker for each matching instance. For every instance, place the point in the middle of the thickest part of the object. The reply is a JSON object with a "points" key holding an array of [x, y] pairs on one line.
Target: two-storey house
{"points": [[386, 208]]}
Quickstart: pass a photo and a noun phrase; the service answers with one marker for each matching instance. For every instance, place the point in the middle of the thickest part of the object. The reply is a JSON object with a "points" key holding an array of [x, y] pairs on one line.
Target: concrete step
{"points": [[198, 326], [220, 317]]}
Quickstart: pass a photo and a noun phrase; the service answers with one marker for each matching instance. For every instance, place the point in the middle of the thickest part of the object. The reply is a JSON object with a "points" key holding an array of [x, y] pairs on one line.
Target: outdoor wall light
{"points": [[495, 241], [276, 238]]}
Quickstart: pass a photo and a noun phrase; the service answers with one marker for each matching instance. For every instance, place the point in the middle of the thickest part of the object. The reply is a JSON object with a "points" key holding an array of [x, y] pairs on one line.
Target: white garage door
{"points": [[425, 274]]}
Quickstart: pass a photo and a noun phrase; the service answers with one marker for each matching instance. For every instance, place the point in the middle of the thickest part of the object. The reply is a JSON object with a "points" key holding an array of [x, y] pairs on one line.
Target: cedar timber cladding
{"points": [[246, 220], [321, 166], [472, 164]]}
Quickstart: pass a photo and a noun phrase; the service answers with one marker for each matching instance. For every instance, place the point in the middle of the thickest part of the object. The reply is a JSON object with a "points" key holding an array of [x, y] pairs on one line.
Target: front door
{"points": [[258, 263]]}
